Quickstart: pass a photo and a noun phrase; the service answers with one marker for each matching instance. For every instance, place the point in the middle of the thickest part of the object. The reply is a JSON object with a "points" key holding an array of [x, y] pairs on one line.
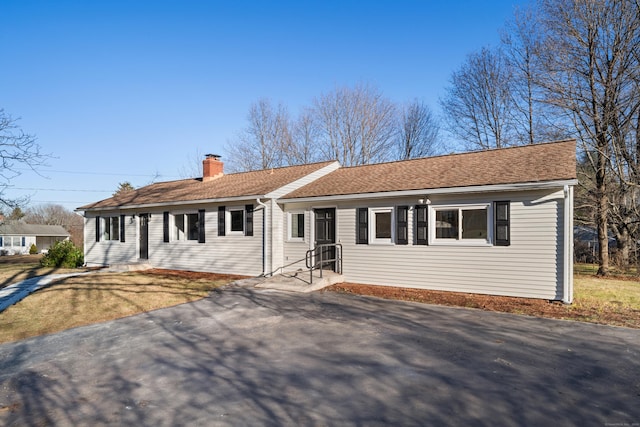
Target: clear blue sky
{"points": [[122, 90]]}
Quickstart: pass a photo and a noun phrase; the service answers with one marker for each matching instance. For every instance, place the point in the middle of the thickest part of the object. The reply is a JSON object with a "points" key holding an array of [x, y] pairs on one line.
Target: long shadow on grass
{"points": [[259, 358]]}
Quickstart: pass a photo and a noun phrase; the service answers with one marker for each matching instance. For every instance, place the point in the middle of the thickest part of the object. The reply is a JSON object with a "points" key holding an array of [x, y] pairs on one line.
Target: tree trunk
{"points": [[623, 242], [602, 208]]}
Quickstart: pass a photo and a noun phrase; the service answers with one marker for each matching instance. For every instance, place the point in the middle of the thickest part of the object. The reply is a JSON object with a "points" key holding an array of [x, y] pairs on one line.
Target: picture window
{"points": [[462, 224]]}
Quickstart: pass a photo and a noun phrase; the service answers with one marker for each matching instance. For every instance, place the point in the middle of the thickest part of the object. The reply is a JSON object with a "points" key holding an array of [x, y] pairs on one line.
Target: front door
{"points": [[325, 229], [144, 236]]}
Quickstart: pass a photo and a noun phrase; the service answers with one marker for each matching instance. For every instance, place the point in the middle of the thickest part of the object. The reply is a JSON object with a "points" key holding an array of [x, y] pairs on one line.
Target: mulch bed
{"points": [[527, 306], [620, 316]]}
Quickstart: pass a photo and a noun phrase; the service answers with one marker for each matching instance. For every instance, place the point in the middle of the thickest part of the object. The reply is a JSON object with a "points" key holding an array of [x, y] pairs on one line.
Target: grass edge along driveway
{"points": [[99, 297]]}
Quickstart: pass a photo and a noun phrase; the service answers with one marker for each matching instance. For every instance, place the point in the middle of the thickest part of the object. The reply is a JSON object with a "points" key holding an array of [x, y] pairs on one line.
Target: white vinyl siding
{"points": [[230, 254], [530, 267], [220, 254], [107, 252], [295, 250]]}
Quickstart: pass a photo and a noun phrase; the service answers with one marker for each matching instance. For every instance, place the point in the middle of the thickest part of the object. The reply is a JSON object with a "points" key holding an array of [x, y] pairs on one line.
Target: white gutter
{"points": [[264, 236], [164, 204], [567, 278], [434, 191]]}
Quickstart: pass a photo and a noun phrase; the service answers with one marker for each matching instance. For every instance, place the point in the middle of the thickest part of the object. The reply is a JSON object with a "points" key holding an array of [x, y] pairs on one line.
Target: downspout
{"points": [[264, 236], [271, 210], [568, 245]]}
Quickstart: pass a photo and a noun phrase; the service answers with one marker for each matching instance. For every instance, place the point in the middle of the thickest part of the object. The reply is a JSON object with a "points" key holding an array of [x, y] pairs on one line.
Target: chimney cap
{"points": [[213, 156]]}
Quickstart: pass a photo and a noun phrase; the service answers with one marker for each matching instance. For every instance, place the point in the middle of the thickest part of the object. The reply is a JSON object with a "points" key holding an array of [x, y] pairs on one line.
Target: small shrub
{"points": [[63, 254], [33, 250]]}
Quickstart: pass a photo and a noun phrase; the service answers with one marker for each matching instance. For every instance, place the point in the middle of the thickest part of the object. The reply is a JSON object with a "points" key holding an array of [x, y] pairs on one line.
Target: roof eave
{"points": [[433, 191], [164, 204]]}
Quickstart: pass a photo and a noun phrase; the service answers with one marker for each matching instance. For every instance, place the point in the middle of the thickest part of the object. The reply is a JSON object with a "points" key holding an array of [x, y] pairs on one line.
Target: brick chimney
{"points": [[212, 167]]}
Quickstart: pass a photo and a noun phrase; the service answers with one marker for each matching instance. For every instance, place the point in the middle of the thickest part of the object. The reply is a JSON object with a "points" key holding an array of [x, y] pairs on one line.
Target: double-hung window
{"points": [[111, 228], [381, 226], [461, 224], [296, 226], [236, 221], [186, 226]]}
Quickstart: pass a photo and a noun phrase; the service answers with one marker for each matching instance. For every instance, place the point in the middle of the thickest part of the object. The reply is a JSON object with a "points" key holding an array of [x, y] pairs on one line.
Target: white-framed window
{"points": [[296, 226], [381, 229], [466, 224], [111, 228], [186, 226], [13, 241], [235, 221]]}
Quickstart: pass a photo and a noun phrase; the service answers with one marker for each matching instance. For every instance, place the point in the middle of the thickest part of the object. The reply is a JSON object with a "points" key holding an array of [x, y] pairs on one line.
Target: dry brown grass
{"points": [[99, 297], [15, 268]]}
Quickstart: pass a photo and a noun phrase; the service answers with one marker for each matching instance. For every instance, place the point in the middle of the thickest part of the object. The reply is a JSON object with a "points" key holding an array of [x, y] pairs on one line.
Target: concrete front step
{"points": [[299, 281]]}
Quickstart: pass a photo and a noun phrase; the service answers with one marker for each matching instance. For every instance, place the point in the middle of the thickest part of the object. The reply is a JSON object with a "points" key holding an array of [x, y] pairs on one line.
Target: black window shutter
{"points": [[402, 225], [221, 221], [201, 236], [248, 218], [502, 223], [422, 225], [97, 229], [301, 227], [165, 227], [122, 228], [362, 232]]}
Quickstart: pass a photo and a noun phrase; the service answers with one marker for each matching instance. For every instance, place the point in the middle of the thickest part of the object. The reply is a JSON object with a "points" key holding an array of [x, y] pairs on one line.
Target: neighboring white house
{"points": [[16, 237], [493, 222]]}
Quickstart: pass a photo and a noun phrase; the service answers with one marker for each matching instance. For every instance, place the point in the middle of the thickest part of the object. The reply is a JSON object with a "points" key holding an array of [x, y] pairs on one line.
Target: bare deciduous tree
{"points": [[53, 214], [522, 40], [17, 149], [356, 125], [193, 167], [264, 142], [418, 131], [305, 135], [591, 64], [478, 104]]}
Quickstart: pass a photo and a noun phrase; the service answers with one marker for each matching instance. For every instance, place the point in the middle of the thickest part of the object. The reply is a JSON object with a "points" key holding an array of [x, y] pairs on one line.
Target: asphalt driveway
{"points": [[244, 357]]}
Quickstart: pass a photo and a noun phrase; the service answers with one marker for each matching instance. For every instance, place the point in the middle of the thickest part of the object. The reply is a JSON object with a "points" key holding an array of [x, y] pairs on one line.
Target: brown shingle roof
{"points": [[254, 183], [531, 163]]}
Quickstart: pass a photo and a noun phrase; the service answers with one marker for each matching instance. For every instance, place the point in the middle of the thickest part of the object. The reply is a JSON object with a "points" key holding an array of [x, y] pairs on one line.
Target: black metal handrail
{"points": [[313, 265]]}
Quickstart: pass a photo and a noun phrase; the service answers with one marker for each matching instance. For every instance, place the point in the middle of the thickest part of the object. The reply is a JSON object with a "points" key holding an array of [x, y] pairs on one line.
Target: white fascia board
{"points": [[307, 179], [172, 204], [435, 191]]}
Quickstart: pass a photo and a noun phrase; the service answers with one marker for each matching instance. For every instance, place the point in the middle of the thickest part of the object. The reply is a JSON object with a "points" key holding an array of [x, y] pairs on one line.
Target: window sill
{"points": [[469, 242], [295, 240], [381, 243]]}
